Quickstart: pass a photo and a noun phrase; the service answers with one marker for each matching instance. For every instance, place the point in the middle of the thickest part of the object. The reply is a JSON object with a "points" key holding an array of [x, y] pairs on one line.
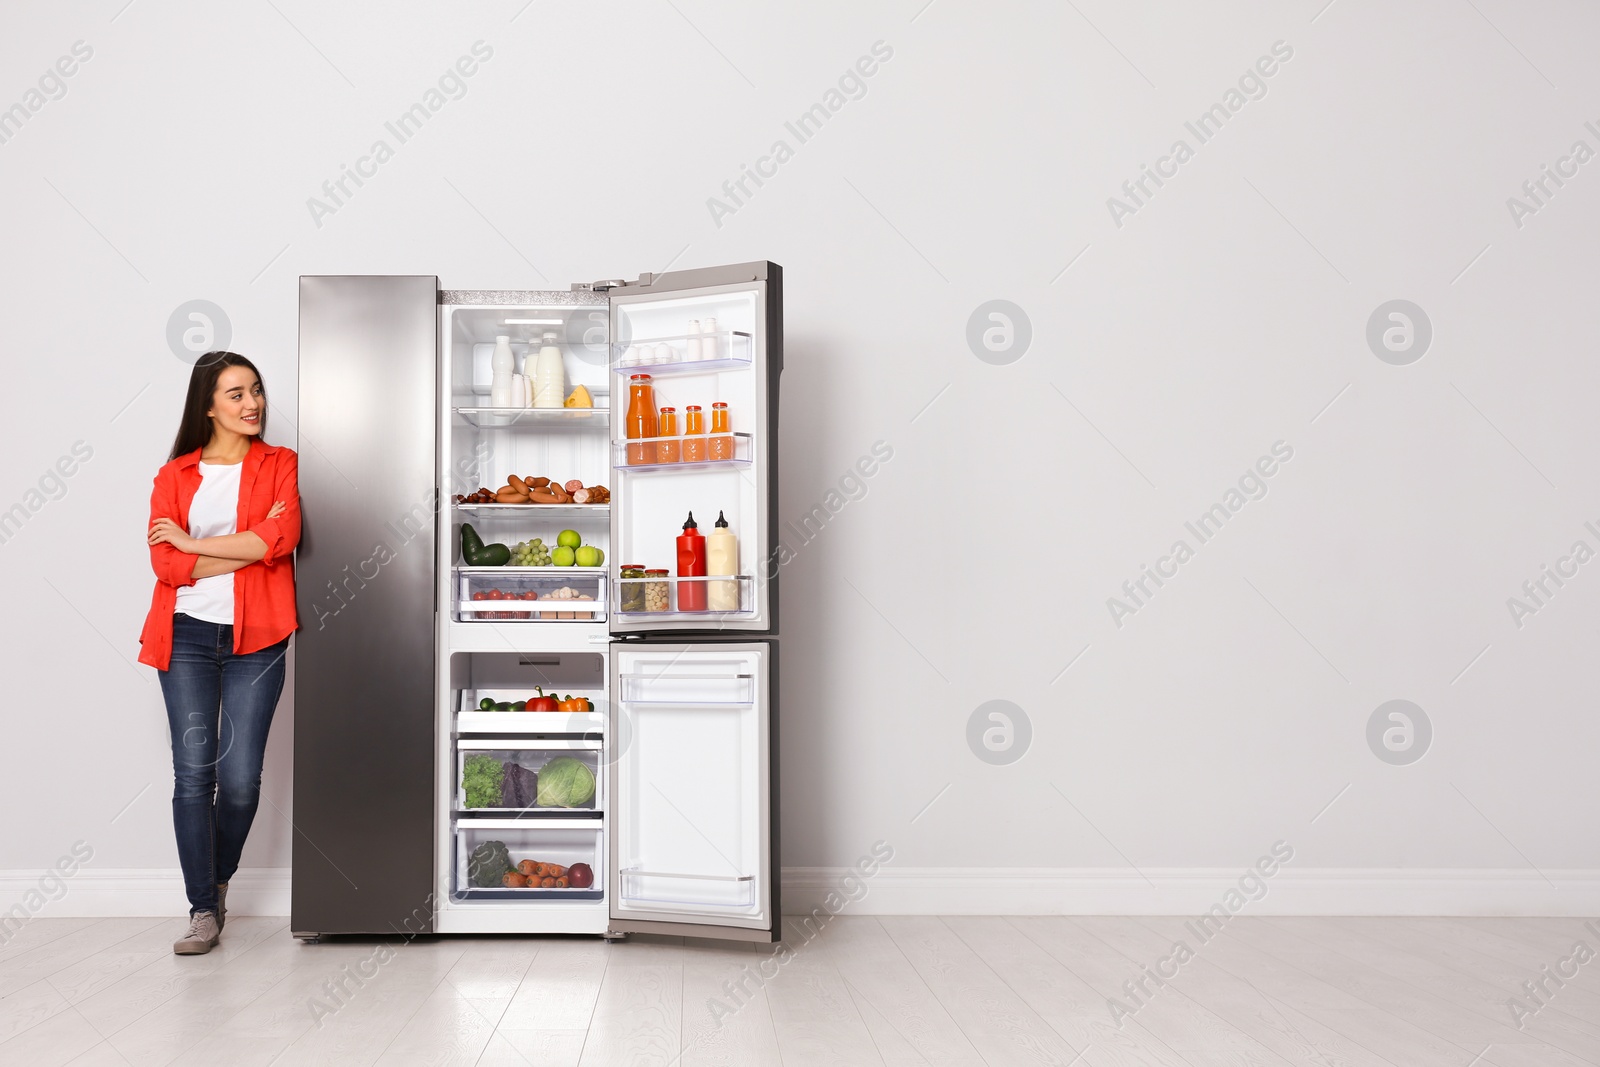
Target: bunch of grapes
{"points": [[530, 554]]}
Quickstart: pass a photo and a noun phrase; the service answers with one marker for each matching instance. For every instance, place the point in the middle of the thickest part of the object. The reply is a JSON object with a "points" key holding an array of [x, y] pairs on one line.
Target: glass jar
{"points": [[656, 597], [694, 435], [667, 426], [721, 443], [631, 598]]}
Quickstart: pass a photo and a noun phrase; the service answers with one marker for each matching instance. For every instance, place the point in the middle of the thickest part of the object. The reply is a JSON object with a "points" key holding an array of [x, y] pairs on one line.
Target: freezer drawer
{"points": [[572, 594], [506, 774], [565, 844], [691, 807]]}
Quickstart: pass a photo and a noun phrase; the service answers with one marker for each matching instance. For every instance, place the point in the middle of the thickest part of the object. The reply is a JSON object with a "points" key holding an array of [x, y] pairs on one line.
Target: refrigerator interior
{"points": [[487, 445], [652, 500]]}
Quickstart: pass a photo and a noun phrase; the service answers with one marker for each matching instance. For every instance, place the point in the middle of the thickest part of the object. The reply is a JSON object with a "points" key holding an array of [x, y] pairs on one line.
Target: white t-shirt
{"points": [[214, 512]]}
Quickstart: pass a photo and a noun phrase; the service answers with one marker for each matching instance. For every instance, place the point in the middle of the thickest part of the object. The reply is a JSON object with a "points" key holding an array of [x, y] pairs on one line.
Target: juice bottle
{"points": [[667, 451], [694, 431], [641, 419], [721, 447], [691, 564]]}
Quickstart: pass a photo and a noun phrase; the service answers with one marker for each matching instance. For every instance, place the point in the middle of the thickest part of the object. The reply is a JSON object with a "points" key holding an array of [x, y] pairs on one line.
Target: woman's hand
{"points": [[164, 529], [278, 508]]}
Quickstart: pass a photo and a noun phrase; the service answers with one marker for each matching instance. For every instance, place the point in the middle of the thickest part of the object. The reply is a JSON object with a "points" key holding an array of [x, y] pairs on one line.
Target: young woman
{"points": [[224, 522]]}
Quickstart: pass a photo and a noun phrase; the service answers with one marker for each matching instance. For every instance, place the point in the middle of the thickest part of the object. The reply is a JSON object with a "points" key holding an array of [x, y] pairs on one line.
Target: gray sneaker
{"points": [[222, 906], [200, 938]]}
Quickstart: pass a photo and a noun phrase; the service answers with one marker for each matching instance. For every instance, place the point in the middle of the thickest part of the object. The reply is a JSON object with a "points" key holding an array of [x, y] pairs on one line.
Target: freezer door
{"points": [[694, 846], [656, 485], [364, 653]]}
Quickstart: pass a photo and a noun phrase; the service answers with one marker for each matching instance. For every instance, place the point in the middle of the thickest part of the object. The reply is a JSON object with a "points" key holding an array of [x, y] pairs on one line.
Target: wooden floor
{"points": [[912, 990]]}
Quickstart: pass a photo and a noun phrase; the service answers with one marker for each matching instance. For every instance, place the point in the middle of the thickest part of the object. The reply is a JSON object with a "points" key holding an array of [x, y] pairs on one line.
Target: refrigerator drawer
{"points": [[509, 774], [528, 594], [528, 844]]}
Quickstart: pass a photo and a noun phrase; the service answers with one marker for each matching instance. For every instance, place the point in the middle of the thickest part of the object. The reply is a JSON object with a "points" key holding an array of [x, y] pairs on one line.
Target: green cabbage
{"points": [[565, 783]]}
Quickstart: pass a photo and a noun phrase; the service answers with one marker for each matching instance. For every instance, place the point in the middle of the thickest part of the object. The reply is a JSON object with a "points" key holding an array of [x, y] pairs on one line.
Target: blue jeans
{"points": [[219, 709]]}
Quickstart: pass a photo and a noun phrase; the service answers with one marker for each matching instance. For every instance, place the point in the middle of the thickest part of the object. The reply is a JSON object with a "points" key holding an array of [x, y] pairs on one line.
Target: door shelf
{"points": [[733, 351], [565, 843], [528, 594], [489, 418], [702, 890], [741, 586], [624, 453], [676, 689]]}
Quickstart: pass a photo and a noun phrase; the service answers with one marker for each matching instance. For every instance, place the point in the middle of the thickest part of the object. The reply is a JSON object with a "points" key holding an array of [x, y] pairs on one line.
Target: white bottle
{"points": [[692, 349], [708, 339], [519, 391], [549, 378], [503, 364], [722, 557]]}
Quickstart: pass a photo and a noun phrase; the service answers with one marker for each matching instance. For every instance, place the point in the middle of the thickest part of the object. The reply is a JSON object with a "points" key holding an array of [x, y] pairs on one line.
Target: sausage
{"points": [[538, 483], [518, 484], [543, 496], [562, 496], [573, 486], [509, 495], [581, 496]]}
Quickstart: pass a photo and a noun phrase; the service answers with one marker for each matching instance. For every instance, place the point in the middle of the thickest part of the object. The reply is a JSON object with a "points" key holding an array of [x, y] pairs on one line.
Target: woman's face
{"points": [[239, 401]]}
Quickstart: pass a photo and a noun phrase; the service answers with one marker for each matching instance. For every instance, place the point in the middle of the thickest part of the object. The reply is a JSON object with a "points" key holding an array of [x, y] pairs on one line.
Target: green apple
{"points": [[569, 539], [588, 556], [562, 556]]}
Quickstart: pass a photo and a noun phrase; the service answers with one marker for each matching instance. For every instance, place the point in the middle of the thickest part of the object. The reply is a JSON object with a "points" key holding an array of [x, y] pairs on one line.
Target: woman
{"points": [[224, 522]]}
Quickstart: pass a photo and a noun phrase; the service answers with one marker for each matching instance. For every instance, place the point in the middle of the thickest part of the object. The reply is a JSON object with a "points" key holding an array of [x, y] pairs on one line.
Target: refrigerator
{"points": [[429, 798]]}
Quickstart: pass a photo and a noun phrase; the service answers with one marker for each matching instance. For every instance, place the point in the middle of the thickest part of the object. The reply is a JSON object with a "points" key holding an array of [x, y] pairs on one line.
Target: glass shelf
{"points": [[533, 509], [486, 418], [743, 445], [733, 352]]}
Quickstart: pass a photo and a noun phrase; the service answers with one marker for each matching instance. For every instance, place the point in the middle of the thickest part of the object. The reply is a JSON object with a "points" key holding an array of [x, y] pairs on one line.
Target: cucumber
{"points": [[486, 704], [504, 705], [521, 705]]}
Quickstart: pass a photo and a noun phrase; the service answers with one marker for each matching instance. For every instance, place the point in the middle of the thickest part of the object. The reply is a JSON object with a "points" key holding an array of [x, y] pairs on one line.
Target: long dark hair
{"points": [[194, 429]]}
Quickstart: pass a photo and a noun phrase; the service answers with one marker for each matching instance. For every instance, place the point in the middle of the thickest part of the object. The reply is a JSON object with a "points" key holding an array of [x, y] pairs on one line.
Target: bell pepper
{"points": [[572, 703], [542, 702]]}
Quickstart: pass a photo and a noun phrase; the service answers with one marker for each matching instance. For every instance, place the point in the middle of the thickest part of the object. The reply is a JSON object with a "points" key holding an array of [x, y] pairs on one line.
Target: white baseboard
{"points": [[894, 890], [1193, 890]]}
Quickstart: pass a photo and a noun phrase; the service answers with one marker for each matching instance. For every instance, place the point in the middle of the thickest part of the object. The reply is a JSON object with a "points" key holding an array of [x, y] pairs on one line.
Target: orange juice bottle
{"points": [[667, 426], [641, 419], [721, 446], [694, 435]]}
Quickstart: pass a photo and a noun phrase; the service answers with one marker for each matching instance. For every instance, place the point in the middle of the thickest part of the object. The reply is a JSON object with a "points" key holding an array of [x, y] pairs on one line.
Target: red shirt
{"points": [[263, 591]]}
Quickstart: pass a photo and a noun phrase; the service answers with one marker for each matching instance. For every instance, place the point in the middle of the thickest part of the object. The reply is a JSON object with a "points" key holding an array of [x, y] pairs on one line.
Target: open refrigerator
{"points": [[407, 653]]}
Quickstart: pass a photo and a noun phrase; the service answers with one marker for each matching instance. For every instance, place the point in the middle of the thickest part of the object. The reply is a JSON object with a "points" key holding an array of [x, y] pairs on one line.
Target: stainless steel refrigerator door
{"points": [[764, 282], [694, 833], [364, 656]]}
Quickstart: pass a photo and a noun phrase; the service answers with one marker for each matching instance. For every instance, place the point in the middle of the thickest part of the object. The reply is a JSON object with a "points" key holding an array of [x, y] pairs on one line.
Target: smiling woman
{"points": [[224, 523]]}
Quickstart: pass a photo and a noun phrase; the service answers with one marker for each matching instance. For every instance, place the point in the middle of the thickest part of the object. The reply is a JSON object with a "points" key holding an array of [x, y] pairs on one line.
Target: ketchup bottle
{"points": [[691, 564]]}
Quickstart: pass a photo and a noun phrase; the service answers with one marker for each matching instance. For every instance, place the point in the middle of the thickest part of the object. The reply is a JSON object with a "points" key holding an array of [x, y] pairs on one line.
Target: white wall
{"points": [[1223, 315]]}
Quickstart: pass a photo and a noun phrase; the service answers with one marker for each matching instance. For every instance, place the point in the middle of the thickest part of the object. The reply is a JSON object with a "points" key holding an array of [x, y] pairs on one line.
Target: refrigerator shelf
{"points": [[534, 509], [744, 584], [489, 418], [486, 723], [537, 572]]}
